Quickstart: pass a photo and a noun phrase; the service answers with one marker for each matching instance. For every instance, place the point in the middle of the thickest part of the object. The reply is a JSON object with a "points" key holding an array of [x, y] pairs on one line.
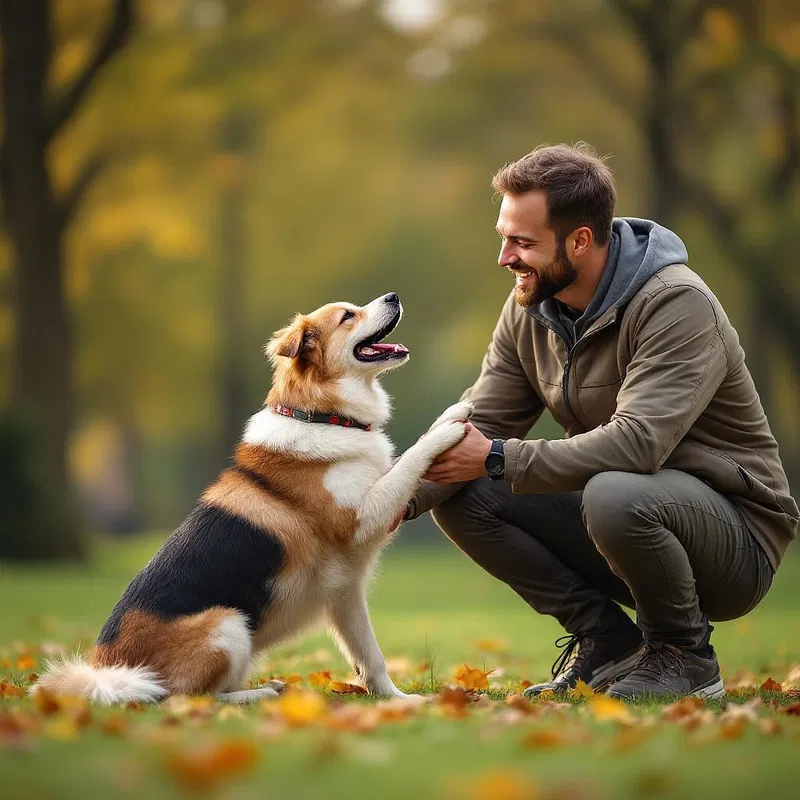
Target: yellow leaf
{"points": [[582, 691], [472, 678], [320, 679], [298, 708], [609, 709], [498, 785]]}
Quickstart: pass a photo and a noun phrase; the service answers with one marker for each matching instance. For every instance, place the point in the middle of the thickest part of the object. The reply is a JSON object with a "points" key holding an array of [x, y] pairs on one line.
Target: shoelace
{"points": [[568, 657], [657, 659]]}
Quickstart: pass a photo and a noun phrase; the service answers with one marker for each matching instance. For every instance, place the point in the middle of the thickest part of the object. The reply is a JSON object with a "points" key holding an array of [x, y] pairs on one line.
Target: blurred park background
{"points": [[179, 177]]}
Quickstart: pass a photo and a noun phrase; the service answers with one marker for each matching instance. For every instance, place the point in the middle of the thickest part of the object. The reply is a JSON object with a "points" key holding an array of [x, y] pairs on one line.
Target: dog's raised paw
{"points": [[458, 412], [443, 437]]}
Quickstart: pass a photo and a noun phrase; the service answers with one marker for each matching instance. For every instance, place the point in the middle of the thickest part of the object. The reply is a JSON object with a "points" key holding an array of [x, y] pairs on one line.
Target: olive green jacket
{"points": [[659, 384]]}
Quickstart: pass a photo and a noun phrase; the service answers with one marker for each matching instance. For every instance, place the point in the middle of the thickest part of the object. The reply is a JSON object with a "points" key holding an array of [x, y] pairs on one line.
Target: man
{"points": [[668, 494]]}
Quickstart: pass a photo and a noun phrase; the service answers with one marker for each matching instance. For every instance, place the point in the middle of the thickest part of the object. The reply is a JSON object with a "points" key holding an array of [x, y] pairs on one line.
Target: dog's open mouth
{"points": [[373, 349]]}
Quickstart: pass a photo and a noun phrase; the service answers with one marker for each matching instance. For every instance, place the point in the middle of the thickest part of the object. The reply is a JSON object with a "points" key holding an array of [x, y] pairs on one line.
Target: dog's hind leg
{"points": [[248, 695], [352, 630]]}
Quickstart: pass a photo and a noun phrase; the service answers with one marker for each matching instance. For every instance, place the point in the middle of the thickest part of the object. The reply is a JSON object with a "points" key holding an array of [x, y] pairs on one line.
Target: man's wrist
{"points": [[495, 462]]}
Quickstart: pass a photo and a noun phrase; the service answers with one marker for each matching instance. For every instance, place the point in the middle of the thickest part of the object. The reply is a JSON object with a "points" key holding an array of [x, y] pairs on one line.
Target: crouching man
{"points": [[668, 494]]}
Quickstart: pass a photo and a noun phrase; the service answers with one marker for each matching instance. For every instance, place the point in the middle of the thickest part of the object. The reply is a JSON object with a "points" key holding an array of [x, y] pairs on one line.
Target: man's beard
{"points": [[549, 280]]}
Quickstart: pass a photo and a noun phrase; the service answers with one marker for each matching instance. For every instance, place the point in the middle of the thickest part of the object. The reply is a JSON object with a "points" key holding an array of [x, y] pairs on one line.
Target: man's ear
{"points": [[294, 341]]}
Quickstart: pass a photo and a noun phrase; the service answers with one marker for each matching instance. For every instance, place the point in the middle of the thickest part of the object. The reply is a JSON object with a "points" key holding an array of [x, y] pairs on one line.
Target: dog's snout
{"points": [[391, 298]]}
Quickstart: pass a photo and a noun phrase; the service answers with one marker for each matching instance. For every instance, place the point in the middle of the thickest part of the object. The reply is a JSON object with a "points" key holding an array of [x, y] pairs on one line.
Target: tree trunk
{"points": [[42, 356]]}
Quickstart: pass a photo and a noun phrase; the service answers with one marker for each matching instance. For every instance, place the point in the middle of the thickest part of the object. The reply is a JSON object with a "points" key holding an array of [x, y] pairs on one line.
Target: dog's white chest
{"points": [[349, 481]]}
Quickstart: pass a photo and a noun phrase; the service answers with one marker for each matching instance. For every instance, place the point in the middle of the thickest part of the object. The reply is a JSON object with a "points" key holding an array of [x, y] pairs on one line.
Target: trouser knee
{"points": [[612, 509], [468, 513]]}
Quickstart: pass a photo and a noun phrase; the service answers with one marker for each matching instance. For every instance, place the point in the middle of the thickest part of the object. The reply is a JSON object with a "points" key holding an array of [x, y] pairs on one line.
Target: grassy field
{"points": [[433, 611]]}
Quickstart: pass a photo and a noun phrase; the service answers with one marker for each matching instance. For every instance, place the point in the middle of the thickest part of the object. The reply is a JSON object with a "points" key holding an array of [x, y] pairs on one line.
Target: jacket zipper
{"points": [[570, 354]]}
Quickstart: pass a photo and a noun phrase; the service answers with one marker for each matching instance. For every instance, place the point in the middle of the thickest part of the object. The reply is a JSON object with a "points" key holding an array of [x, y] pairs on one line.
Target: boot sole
{"points": [[715, 688]]}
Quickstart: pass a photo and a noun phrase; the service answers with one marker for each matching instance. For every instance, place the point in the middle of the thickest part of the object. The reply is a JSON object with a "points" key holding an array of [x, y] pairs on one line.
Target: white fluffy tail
{"points": [[103, 685]]}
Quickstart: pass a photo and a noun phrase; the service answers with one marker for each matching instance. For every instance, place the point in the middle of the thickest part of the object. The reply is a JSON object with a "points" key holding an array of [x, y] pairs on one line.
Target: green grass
{"points": [[427, 605]]}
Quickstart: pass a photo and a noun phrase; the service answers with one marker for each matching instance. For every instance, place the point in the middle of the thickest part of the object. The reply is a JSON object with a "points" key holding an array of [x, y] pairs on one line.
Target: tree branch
{"points": [[72, 198], [116, 35]]}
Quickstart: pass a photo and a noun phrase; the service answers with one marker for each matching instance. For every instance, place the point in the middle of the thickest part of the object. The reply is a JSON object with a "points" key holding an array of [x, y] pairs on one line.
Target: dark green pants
{"points": [[665, 544]]}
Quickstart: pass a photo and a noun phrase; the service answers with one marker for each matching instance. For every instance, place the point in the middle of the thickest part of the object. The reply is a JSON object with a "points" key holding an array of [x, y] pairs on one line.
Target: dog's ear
{"points": [[297, 340]]}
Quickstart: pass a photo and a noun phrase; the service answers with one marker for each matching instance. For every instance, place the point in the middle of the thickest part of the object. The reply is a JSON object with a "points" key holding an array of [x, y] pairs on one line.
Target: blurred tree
{"points": [[36, 219]]}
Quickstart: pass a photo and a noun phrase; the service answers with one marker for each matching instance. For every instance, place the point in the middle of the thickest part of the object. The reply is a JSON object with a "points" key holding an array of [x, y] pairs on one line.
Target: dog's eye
{"points": [[347, 315]]}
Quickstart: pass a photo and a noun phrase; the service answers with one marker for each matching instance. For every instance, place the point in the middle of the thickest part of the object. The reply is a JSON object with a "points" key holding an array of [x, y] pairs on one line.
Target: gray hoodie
{"points": [[638, 249]]}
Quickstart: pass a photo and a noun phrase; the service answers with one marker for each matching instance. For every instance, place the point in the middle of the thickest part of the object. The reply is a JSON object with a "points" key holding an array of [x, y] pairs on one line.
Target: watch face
{"points": [[495, 464]]}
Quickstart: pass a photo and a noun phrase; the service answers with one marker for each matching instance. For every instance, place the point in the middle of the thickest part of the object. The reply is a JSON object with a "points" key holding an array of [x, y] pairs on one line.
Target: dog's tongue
{"points": [[383, 347]]}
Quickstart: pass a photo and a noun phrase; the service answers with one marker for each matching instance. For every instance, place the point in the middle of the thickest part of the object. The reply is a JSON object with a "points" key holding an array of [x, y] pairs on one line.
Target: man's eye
{"points": [[347, 315]]}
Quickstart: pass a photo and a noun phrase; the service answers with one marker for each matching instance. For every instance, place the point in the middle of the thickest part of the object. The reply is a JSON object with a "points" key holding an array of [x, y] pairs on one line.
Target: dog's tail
{"points": [[103, 685]]}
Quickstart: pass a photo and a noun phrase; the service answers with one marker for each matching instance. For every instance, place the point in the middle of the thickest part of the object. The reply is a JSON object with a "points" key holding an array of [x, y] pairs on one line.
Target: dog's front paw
{"points": [[458, 412], [441, 438]]}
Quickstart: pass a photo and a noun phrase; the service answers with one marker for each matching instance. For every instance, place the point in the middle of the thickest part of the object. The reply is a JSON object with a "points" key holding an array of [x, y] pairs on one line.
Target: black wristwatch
{"points": [[496, 461]]}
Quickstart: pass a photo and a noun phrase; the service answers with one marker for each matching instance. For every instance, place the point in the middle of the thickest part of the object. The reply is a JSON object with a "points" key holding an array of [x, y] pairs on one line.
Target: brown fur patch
{"points": [[295, 507], [178, 650]]}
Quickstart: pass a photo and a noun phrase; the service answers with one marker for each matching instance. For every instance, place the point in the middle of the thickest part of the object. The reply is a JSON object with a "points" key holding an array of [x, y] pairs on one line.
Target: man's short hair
{"points": [[579, 187]]}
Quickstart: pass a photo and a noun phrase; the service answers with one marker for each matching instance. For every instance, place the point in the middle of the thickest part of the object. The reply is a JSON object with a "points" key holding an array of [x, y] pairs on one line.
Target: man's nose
{"points": [[506, 257]]}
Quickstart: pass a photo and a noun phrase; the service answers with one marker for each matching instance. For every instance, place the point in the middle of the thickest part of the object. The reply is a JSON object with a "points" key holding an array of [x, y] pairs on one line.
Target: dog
{"points": [[283, 539]]}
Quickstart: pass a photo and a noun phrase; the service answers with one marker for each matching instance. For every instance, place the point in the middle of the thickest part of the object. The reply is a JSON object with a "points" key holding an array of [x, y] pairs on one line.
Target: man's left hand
{"points": [[464, 462]]}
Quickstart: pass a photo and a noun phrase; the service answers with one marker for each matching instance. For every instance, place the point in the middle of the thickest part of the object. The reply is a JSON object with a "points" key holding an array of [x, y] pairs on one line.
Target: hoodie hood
{"points": [[639, 248]]}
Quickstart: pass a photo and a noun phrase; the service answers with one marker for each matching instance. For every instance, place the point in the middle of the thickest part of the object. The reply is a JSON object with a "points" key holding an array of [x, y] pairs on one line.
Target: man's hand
{"points": [[464, 462]]}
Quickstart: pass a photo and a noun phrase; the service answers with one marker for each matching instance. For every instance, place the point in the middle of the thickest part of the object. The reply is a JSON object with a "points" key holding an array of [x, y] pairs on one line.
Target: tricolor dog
{"points": [[285, 538]]}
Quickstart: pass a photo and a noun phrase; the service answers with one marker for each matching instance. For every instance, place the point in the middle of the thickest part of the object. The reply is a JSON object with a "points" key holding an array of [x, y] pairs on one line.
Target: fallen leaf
{"points": [[770, 727], [298, 708], [25, 663], [685, 707], [181, 705], [472, 678], [114, 725], [609, 709], [500, 785], [353, 718], [792, 710], [525, 684], [522, 704], [206, 765], [454, 700], [320, 679], [581, 691], [338, 687], [630, 736], [544, 739], [770, 685], [10, 690]]}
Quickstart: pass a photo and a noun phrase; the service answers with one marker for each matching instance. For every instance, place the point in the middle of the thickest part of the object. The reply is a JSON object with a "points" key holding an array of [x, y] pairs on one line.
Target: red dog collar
{"points": [[318, 416]]}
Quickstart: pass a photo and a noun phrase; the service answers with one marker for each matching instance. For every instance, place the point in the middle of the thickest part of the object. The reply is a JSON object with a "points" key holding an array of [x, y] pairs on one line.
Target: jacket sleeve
{"points": [[678, 361], [506, 404]]}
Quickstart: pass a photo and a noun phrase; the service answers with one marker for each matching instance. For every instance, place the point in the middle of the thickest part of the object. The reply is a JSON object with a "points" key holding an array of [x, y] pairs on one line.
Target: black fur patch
{"points": [[212, 559]]}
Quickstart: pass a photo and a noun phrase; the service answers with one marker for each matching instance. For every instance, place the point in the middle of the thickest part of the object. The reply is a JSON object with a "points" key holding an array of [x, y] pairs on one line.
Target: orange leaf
{"points": [[320, 679], [201, 767], [24, 663], [298, 708], [472, 678], [10, 690], [454, 701], [770, 685], [525, 684], [346, 688], [544, 738], [792, 710], [497, 785]]}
